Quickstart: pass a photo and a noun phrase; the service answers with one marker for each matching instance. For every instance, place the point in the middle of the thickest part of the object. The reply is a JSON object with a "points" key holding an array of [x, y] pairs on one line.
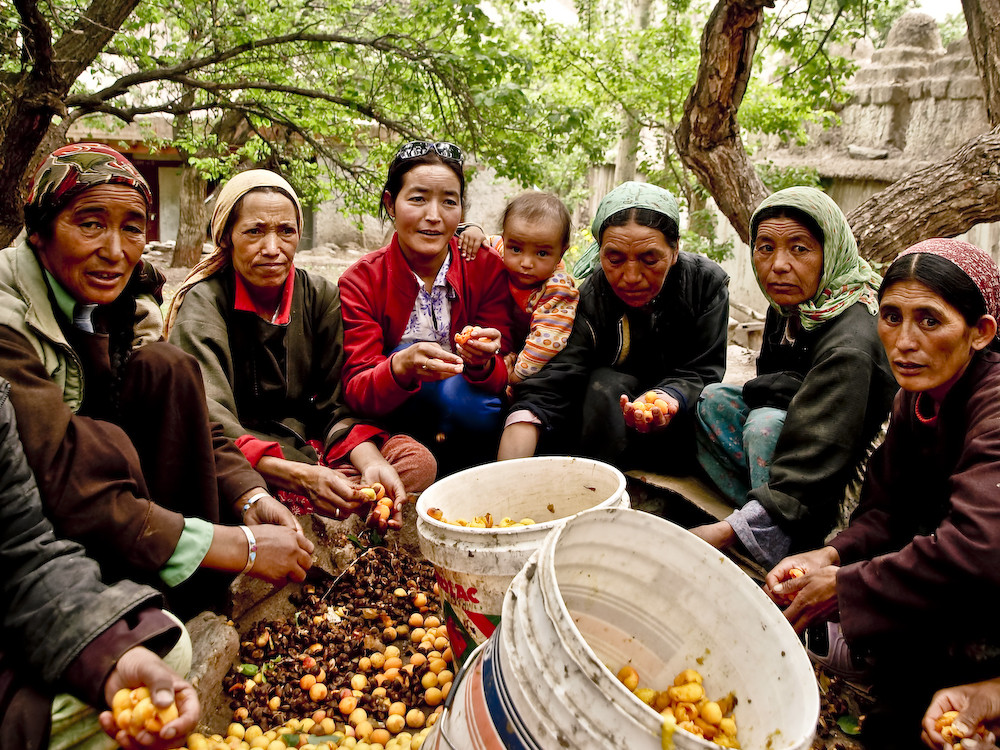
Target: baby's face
{"points": [[531, 250]]}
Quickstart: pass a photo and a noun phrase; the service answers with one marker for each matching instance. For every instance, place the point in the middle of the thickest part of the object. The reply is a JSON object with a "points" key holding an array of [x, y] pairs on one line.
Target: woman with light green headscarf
{"points": [[651, 321], [785, 448]]}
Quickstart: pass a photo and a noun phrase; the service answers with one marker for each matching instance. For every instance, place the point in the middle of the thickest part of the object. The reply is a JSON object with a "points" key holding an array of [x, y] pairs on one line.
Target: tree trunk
{"points": [[708, 137], [628, 146], [943, 200], [193, 219], [230, 129], [38, 94], [983, 20]]}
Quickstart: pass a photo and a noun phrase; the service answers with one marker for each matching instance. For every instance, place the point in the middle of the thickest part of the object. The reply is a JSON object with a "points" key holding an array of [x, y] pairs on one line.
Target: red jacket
{"points": [[377, 295]]}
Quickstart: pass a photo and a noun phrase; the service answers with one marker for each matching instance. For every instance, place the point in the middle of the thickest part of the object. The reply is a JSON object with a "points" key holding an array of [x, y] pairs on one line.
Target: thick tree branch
{"points": [[37, 47], [708, 138], [172, 72], [94, 103], [942, 200]]}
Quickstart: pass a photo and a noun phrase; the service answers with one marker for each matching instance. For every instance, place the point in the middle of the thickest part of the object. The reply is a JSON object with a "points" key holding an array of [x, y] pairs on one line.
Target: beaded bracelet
{"points": [[253, 499], [252, 554]]}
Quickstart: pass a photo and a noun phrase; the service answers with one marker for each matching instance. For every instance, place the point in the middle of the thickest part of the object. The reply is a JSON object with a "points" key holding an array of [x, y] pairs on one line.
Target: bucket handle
{"points": [[441, 723]]}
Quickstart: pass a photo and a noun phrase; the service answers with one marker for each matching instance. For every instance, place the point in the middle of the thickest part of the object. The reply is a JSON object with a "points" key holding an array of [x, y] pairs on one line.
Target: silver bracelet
{"points": [[253, 499], [252, 554]]}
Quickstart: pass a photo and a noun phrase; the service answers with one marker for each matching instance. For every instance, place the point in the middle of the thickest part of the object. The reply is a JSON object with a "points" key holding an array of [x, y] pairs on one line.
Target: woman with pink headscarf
{"points": [[922, 553]]}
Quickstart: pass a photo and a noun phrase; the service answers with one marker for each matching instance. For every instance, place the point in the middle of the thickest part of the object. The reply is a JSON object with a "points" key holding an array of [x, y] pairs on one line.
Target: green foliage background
{"points": [[324, 90]]}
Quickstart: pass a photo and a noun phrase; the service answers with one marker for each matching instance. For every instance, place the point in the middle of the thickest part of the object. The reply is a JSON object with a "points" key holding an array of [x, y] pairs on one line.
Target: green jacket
{"points": [[26, 307]]}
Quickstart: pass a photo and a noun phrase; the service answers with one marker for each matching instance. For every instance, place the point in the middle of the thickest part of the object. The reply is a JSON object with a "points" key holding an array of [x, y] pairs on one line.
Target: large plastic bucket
{"points": [[473, 566], [615, 587]]}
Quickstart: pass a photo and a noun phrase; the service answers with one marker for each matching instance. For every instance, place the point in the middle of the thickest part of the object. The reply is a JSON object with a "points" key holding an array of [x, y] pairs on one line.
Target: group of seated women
{"points": [[180, 463]]}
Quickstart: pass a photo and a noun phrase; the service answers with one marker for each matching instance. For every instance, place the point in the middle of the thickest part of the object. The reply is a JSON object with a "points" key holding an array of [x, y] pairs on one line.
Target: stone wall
{"points": [[915, 97]]}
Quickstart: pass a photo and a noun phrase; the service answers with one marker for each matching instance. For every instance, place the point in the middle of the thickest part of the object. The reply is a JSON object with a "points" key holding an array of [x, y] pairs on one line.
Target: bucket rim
{"points": [[513, 463]]}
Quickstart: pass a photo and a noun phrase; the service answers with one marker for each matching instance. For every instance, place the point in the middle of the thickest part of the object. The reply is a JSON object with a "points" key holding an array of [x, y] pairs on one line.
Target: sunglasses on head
{"points": [[415, 149]]}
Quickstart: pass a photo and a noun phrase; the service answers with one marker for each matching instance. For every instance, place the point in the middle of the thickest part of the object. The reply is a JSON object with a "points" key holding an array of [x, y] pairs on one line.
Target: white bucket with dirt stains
{"points": [[614, 587], [474, 566]]}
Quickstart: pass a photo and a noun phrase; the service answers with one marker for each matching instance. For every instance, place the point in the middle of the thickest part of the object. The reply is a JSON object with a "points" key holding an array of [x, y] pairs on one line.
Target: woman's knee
{"points": [[720, 403], [763, 425], [415, 464]]}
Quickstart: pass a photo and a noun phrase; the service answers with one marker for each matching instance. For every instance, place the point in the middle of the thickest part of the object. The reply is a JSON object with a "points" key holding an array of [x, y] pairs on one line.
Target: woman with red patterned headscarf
{"points": [[922, 554], [114, 422]]}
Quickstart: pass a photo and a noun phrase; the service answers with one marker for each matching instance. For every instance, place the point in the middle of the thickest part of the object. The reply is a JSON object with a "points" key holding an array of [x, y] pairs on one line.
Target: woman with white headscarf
{"points": [[269, 339]]}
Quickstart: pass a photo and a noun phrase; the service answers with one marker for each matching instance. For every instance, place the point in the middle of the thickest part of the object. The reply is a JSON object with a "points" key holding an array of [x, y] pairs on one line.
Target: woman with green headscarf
{"points": [[651, 319], [786, 446]]}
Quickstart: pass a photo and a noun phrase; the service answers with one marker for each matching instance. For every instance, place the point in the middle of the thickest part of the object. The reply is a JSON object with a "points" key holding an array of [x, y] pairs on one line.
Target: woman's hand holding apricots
{"points": [[811, 596], [650, 412], [785, 579], [478, 347], [424, 361], [382, 475], [961, 712], [270, 510], [470, 240], [282, 554], [167, 705]]}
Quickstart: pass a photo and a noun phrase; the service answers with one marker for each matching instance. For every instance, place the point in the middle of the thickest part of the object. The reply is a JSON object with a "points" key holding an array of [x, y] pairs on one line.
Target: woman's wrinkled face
{"points": [[95, 242], [427, 212], [636, 260], [788, 260], [264, 238], [927, 341]]}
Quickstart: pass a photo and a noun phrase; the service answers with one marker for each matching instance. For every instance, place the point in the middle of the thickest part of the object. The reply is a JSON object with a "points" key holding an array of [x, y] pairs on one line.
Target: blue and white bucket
{"points": [[614, 587]]}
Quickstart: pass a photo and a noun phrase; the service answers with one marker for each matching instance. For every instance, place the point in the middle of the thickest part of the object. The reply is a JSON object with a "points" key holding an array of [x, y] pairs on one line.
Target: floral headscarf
{"points": [[68, 171], [220, 258], [625, 196], [973, 262], [847, 277]]}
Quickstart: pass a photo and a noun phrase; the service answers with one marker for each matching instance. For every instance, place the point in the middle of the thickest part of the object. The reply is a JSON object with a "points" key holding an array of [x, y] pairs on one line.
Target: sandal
{"points": [[826, 646]]}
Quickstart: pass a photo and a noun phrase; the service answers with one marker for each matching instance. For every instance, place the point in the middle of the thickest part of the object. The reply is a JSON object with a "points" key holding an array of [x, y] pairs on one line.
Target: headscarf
{"points": [[972, 261], [847, 277], [220, 258], [625, 196], [68, 171]]}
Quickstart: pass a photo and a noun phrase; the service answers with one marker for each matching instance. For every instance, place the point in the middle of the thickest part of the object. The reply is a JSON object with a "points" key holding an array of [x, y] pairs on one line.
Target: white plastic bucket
{"points": [[615, 587], [474, 567]]}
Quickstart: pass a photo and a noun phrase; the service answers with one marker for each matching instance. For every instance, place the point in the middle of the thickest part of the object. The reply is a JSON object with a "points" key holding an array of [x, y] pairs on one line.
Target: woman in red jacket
{"points": [[404, 306]]}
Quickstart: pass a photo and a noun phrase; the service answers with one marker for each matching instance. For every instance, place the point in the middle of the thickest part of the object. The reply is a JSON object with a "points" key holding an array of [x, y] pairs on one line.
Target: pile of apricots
{"points": [[686, 706], [134, 711], [479, 522]]}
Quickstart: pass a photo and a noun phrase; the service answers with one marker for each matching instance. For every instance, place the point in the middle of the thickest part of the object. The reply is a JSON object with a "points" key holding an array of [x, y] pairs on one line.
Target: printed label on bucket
{"points": [[466, 630]]}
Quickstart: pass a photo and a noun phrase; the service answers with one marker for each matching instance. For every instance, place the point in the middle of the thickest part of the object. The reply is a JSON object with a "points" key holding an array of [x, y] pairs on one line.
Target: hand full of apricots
{"points": [[135, 712], [953, 733], [650, 412], [380, 503]]}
